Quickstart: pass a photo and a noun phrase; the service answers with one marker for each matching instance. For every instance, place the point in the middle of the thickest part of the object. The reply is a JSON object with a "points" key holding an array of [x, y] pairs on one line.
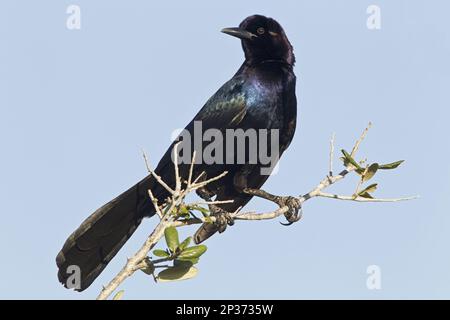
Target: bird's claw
{"points": [[294, 212], [222, 219]]}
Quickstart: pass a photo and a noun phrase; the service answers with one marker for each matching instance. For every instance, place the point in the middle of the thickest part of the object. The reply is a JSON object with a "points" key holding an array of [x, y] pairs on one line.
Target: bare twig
{"points": [[177, 169], [330, 169], [191, 168], [216, 202], [155, 204], [154, 175], [198, 185], [362, 199], [361, 138], [261, 216]]}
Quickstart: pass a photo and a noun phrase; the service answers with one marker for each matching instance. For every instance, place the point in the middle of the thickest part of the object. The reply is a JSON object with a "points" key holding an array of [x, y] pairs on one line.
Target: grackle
{"points": [[261, 95]]}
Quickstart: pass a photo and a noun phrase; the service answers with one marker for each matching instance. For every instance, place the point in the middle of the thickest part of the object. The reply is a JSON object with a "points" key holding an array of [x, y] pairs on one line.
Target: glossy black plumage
{"points": [[261, 95]]}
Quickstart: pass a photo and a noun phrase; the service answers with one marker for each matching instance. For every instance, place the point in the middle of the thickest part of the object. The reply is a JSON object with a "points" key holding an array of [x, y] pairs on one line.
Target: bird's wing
{"points": [[226, 108]]}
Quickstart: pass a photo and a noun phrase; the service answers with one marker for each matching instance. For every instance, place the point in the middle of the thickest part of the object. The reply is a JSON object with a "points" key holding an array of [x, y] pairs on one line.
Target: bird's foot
{"points": [[222, 218], [294, 205], [294, 212]]}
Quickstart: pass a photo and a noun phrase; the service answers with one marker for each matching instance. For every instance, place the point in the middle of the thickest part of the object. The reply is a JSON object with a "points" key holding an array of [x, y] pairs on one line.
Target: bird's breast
{"points": [[264, 104]]}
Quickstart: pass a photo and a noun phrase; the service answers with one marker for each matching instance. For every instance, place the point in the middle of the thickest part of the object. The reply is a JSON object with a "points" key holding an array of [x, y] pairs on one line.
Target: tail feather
{"points": [[98, 239]]}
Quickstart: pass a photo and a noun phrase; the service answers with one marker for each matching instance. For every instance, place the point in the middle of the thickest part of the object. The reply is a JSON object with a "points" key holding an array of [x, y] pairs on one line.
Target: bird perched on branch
{"points": [[260, 96]]}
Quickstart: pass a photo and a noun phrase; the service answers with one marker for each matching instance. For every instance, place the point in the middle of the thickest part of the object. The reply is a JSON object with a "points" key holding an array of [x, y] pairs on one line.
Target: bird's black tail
{"points": [[89, 249]]}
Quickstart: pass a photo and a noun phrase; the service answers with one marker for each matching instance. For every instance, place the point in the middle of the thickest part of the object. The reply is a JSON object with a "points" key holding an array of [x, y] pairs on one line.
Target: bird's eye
{"points": [[260, 30]]}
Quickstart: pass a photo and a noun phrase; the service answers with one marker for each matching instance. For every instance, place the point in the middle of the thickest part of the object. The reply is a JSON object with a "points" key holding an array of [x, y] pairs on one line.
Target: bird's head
{"points": [[263, 39]]}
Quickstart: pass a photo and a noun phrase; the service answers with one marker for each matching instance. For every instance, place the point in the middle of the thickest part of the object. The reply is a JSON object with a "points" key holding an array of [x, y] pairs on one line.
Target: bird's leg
{"points": [[223, 218], [294, 213]]}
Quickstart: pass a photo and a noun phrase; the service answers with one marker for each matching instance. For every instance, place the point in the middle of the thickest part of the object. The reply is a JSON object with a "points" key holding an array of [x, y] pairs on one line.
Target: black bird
{"points": [[261, 95]]}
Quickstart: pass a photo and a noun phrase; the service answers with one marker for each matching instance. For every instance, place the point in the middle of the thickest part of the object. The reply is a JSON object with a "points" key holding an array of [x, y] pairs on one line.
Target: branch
{"points": [[362, 199], [170, 218], [330, 169], [177, 198], [361, 138], [132, 263]]}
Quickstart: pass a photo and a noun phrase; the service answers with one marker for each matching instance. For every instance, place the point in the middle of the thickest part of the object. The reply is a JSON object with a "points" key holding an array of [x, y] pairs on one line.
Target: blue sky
{"points": [[77, 107]]}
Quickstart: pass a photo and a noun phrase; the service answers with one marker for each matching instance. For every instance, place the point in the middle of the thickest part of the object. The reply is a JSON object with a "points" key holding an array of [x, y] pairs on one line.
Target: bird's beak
{"points": [[239, 33]]}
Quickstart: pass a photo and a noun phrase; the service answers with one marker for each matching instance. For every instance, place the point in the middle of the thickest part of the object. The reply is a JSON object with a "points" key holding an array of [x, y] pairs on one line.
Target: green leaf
{"points": [[350, 160], [369, 189], [118, 295], [365, 195], [177, 273], [392, 165], [185, 243], [204, 211], [161, 253], [345, 161], [183, 210], [186, 263], [371, 170], [172, 240], [192, 252]]}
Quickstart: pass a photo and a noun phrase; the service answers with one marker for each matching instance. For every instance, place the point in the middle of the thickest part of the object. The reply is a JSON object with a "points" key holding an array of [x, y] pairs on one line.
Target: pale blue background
{"points": [[76, 107]]}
